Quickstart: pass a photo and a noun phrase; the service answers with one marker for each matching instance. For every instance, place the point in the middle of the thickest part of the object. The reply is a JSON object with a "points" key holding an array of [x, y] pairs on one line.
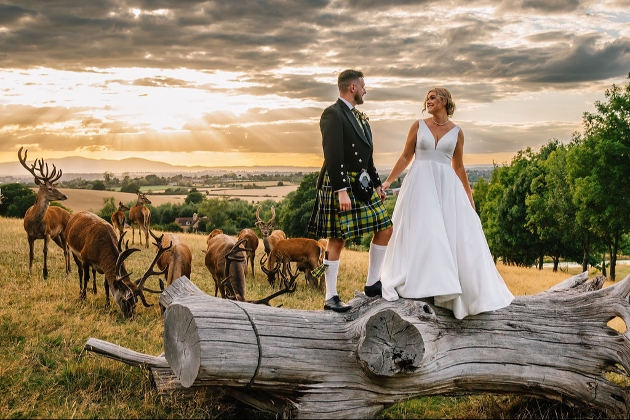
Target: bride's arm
{"points": [[458, 166], [405, 157]]}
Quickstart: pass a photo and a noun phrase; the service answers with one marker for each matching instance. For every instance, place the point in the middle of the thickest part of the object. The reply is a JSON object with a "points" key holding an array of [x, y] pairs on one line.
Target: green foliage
{"points": [[99, 185], [297, 208], [194, 197], [109, 208], [18, 199], [172, 227], [130, 187]]}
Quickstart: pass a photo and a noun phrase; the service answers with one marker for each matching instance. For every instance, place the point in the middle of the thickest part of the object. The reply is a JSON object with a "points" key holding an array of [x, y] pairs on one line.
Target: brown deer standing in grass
{"points": [[251, 242], [307, 253], [270, 237], [93, 244], [226, 261], [177, 261], [141, 216], [118, 219], [41, 221]]}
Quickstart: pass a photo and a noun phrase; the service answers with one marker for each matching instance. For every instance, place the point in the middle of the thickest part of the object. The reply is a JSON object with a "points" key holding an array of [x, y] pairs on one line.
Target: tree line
{"points": [[566, 202]]}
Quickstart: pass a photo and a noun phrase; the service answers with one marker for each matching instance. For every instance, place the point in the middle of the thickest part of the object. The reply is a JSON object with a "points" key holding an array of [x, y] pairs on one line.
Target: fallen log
{"points": [[296, 363]]}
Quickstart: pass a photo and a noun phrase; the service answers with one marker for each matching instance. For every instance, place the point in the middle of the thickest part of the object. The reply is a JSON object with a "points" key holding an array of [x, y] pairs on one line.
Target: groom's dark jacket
{"points": [[347, 147]]}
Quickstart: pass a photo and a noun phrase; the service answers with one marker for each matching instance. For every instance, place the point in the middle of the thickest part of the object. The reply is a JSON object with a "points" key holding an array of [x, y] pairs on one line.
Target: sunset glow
{"points": [[201, 84]]}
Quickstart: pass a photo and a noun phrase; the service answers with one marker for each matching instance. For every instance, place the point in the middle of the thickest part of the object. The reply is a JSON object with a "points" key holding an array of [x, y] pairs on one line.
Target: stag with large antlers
{"points": [[177, 261], [270, 237], [118, 219], [307, 253], [93, 244], [251, 242], [226, 261], [141, 216], [41, 221]]}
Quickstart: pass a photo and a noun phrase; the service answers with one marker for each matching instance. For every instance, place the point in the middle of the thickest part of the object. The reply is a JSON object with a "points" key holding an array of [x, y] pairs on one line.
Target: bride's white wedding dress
{"points": [[438, 247]]}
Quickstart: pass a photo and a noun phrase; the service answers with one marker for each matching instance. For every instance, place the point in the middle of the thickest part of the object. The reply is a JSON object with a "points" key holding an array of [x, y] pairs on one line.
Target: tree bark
{"points": [[309, 364]]}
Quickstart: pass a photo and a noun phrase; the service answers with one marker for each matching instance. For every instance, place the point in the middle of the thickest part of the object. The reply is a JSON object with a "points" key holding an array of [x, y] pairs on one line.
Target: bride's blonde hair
{"points": [[445, 95]]}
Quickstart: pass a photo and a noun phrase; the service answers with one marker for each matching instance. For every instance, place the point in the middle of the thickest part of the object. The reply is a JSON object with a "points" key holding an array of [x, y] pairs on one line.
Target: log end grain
{"points": [[181, 344], [390, 345]]}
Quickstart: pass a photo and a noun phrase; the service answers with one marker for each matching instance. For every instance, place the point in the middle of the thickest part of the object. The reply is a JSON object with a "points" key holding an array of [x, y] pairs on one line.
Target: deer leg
{"points": [[93, 280], [252, 263], [133, 234], [46, 239], [31, 253], [60, 240], [106, 286], [84, 279], [146, 237]]}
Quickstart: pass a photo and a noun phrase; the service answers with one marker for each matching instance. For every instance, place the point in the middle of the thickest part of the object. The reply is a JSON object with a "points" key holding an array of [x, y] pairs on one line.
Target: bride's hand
{"points": [[385, 185]]}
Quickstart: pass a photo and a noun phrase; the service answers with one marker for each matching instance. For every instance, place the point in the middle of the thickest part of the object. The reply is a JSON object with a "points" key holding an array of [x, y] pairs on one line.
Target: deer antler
{"points": [[43, 177], [273, 215], [231, 256], [120, 247], [289, 287], [139, 284]]}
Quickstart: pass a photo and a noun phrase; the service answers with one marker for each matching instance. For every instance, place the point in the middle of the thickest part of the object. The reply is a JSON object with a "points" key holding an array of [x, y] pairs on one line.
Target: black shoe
{"points": [[335, 304], [373, 290]]}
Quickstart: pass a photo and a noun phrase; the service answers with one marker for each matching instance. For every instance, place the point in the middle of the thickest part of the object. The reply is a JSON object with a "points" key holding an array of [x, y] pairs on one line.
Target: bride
{"points": [[438, 247]]}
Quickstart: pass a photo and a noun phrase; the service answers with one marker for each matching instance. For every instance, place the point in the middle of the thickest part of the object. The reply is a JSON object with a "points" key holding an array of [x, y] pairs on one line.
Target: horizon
{"points": [[199, 84]]}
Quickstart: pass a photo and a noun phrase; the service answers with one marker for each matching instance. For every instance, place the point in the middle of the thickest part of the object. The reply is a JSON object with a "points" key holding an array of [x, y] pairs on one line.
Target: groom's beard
{"points": [[358, 99]]}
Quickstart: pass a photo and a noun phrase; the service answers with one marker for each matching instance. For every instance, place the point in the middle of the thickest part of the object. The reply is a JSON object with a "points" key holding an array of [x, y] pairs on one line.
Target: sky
{"points": [[244, 82]]}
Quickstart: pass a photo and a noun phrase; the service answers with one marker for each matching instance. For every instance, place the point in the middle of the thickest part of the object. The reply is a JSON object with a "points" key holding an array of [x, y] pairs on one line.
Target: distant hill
{"points": [[76, 166]]}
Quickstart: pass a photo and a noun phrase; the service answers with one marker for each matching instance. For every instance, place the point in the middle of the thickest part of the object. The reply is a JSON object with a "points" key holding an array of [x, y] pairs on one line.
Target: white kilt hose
{"points": [[328, 222]]}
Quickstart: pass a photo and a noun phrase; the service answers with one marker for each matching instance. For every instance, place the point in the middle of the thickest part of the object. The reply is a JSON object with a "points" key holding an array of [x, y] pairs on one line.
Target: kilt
{"points": [[328, 222]]}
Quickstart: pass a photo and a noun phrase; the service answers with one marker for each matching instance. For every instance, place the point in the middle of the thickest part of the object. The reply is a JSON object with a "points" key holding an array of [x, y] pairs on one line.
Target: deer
{"points": [[177, 261], [226, 260], [93, 244], [41, 221], [270, 236], [307, 253], [118, 218], [2, 197], [141, 216], [251, 242]]}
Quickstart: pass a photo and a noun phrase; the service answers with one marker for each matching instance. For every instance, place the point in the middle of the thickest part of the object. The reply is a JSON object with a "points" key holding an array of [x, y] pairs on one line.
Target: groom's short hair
{"points": [[346, 78]]}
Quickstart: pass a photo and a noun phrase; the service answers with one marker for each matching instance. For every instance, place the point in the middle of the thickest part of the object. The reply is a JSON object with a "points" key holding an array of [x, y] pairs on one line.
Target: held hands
{"points": [[381, 193]]}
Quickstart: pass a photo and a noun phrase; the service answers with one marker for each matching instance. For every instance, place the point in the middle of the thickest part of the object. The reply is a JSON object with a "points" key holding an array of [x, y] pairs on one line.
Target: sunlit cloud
{"points": [[245, 82]]}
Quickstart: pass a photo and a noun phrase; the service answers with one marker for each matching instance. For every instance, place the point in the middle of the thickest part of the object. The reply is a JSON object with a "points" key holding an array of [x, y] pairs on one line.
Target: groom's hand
{"points": [[344, 200], [381, 193]]}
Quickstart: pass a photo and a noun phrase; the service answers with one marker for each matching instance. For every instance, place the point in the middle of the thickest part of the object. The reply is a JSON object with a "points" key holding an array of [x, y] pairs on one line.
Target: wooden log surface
{"points": [[555, 344]]}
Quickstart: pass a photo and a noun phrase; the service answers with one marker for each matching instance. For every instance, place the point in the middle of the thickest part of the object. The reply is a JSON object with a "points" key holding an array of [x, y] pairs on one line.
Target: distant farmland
{"points": [[92, 200]]}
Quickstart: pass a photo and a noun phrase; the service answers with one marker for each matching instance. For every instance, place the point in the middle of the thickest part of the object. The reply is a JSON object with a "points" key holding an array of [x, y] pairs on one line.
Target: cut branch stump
{"points": [[320, 364]]}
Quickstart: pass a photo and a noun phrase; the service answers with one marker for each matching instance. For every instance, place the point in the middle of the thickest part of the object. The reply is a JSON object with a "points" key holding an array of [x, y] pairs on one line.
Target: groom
{"points": [[338, 215]]}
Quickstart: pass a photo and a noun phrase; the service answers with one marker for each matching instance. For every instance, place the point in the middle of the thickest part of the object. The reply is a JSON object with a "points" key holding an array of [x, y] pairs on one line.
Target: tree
{"points": [[607, 150], [18, 199], [298, 206], [194, 197], [98, 185], [130, 187], [109, 207]]}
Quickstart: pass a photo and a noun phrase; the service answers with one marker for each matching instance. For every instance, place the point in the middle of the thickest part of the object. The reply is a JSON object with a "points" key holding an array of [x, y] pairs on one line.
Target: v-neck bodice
{"points": [[427, 149]]}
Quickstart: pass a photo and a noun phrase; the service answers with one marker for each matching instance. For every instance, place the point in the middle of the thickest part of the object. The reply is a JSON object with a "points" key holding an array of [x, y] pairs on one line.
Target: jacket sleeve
{"points": [[331, 127], [376, 180]]}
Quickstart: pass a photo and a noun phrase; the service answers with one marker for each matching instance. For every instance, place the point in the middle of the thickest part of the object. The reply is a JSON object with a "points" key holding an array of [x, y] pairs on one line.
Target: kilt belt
{"points": [[328, 222]]}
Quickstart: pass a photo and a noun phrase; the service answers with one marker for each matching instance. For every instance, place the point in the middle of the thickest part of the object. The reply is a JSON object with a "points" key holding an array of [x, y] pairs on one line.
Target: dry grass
{"points": [[44, 325]]}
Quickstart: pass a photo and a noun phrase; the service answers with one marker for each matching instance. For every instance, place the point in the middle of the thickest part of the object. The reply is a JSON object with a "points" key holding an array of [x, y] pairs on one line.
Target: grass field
{"points": [[44, 325]]}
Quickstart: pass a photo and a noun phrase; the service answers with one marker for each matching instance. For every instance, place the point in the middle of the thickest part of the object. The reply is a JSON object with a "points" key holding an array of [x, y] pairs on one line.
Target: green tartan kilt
{"points": [[328, 222]]}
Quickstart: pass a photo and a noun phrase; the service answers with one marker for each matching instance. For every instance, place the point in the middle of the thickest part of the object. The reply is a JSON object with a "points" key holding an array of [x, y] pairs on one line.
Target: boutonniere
{"points": [[362, 116]]}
